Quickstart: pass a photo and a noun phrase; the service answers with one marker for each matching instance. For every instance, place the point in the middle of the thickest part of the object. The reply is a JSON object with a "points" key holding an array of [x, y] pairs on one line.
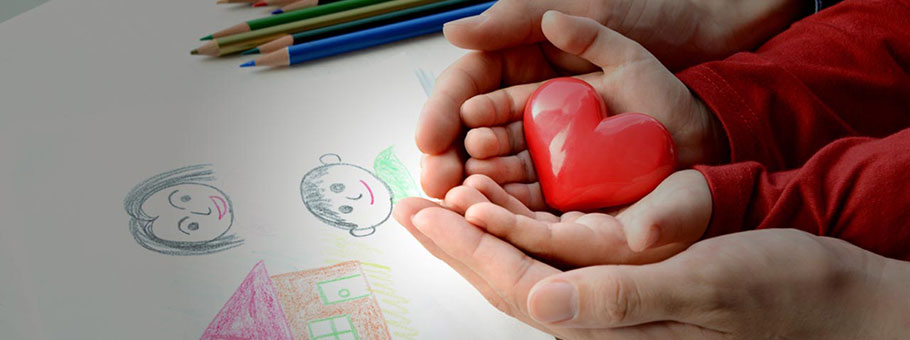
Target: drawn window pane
{"points": [[320, 328], [342, 325], [342, 289], [347, 336], [333, 328]]}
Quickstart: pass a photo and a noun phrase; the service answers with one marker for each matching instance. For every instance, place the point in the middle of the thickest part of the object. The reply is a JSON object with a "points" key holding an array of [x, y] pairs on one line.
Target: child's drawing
{"points": [[333, 302], [180, 212], [350, 197]]}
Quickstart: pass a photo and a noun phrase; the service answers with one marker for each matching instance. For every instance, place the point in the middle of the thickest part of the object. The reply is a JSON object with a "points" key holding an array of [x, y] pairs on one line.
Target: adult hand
{"points": [[666, 221], [777, 283], [679, 32], [630, 79]]}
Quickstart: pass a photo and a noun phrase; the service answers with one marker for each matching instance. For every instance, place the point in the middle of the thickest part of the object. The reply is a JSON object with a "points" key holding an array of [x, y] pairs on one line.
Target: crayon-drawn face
{"points": [[348, 197], [189, 213]]}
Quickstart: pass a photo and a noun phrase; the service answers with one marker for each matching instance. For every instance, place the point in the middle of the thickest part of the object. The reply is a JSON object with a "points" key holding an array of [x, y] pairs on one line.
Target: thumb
{"points": [[590, 40], [615, 296], [677, 211], [505, 24]]}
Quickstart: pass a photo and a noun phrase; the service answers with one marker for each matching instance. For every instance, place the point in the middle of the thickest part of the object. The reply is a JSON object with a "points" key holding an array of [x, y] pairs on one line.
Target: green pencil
{"points": [[291, 16], [243, 41], [361, 24]]}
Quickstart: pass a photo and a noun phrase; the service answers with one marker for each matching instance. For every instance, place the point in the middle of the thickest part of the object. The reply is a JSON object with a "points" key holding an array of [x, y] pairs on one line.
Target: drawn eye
{"points": [[193, 226], [185, 198], [346, 209], [337, 187]]}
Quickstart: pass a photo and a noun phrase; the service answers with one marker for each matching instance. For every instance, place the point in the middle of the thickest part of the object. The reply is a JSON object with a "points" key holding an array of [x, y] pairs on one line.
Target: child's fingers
{"points": [[486, 142], [590, 40], [568, 243], [508, 169], [493, 192], [460, 198], [528, 193], [497, 107]]}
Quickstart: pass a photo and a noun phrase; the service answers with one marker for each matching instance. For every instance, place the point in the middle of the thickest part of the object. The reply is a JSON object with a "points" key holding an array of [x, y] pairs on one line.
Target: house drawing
{"points": [[329, 303]]}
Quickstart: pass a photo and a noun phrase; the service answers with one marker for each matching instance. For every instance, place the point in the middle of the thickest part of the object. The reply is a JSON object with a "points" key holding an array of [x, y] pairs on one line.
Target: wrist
{"points": [[892, 303], [745, 24], [876, 301]]}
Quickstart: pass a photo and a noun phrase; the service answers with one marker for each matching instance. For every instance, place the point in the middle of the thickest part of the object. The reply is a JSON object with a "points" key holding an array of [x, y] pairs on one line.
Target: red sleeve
{"points": [[841, 72], [856, 189]]}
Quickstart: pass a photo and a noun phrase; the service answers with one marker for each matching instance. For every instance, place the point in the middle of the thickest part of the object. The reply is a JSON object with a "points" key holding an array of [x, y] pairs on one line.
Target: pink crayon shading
{"points": [[252, 313], [370, 190], [221, 212]]}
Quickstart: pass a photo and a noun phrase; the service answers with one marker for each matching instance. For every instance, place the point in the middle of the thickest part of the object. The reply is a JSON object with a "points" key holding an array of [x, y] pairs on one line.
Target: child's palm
{"points": [[631, 80]]}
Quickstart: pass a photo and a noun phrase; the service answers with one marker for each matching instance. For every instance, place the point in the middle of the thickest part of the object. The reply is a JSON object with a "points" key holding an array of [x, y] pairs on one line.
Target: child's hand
{"points": [[631, 79], [680, 33], [661, 224]]}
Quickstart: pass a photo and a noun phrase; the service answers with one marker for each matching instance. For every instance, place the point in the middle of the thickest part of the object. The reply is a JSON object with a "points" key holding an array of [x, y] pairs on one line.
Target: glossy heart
{"points": [[586, 159]]}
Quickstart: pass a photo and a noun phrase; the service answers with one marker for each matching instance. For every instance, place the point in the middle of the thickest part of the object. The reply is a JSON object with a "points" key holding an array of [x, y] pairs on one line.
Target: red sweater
{"points": [[787, 109]]}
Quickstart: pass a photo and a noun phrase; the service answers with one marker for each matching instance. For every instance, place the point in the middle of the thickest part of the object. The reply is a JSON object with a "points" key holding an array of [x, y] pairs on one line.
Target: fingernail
{"points": [[475, 20], [554, 302]]}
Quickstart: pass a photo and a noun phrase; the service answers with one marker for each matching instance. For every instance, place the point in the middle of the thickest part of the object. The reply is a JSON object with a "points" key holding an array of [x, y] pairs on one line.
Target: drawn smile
{"points": [[220, 205], [370, 190], [355, 198]]}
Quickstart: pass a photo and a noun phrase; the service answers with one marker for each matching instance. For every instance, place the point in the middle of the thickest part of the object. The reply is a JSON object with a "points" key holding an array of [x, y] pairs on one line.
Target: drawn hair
{"points": [[141, 223], [312, 192]]}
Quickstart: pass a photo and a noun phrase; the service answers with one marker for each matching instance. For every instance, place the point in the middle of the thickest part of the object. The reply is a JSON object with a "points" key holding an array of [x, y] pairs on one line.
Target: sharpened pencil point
{"points": [[221, 2], [250, 51], [277, 11], [250, 63], [208, 37], [194, 52], [260, 4]]}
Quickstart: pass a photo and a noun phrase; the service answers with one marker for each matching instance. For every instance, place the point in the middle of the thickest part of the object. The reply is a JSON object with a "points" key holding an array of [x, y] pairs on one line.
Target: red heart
{"points": [[586, 160]]}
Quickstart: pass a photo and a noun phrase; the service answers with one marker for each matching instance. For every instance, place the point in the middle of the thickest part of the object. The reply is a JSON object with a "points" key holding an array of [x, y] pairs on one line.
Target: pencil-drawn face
{"points": [[346, 196], [189, 213]]}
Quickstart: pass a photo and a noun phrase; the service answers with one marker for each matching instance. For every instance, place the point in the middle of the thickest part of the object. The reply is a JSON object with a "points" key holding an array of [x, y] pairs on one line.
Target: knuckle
{"points": [[619, 297]]}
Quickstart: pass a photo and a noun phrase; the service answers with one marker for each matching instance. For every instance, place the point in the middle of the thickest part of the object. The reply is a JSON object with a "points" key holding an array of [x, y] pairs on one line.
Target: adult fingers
{"points": [[677, 211], [590, 40], [508, 271], [405, 210], [507, 169], [619, 295], [441, 172], [474, 73], [440, 121], [487, 142]]}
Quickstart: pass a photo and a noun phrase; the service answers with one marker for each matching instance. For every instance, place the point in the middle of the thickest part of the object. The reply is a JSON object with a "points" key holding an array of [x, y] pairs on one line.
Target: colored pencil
{"points": [[262, 3], [247, 40], [294, 6], [297, 15], [366, 38], [362, 24]]}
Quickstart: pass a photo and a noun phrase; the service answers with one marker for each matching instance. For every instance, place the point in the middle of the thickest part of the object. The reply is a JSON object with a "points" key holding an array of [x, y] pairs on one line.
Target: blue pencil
{"points": [[366, 38]]}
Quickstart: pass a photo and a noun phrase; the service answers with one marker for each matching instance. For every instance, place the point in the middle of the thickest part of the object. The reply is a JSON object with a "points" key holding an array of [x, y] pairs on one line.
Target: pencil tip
{"points": [[208, 37], [250, 63], [277, 11], [194, 52], [221, 2], [260, 4], [250, 51]]}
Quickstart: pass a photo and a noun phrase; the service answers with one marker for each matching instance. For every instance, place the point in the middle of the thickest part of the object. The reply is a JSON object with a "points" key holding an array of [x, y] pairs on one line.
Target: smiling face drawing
{"points": [[189, 213], [346, 196]]}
